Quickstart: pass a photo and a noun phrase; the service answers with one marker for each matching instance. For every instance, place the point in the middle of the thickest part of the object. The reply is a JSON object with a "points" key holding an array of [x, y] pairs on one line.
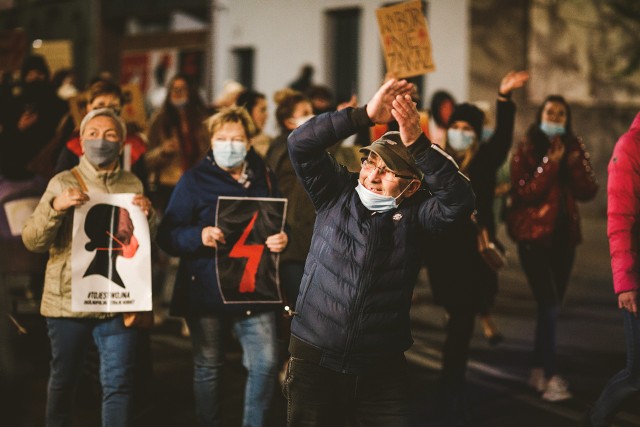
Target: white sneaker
{"points": [[557, 390], [537, 380]]}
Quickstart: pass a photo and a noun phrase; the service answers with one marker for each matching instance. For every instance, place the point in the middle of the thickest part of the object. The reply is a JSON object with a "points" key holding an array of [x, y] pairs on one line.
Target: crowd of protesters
{"points": [[349, 253]]}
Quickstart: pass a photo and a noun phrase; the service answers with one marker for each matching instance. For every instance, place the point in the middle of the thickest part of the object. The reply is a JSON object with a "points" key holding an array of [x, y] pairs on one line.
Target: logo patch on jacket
{"points": [[397, 217]]}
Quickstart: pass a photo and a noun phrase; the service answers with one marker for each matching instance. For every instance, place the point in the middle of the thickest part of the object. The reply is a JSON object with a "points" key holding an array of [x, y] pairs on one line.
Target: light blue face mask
{"points": [[552, 129], [460, 140], [229, 154], [377, 202]]}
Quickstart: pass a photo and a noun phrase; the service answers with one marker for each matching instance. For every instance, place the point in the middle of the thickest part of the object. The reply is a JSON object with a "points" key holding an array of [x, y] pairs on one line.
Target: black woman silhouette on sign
{"points": [[110, 232]]}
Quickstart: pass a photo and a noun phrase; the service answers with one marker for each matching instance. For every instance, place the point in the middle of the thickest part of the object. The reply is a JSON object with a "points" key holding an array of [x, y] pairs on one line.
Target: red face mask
{"points": [[128, 249]]}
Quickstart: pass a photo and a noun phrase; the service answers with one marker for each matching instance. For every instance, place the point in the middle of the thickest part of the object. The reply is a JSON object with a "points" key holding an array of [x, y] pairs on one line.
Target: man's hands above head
{"points": [[404, 111], [380, 105]]}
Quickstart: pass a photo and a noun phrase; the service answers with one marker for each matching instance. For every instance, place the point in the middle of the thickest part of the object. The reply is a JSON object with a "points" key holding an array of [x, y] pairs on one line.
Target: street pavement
{"points": [[590, 349]]}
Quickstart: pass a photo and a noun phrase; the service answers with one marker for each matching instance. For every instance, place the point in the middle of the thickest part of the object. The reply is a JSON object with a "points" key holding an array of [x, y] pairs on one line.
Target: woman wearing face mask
{"points": [[49, 229], [177, 138], [550, 171], [105, 94], [187, 230], [460, 279]]}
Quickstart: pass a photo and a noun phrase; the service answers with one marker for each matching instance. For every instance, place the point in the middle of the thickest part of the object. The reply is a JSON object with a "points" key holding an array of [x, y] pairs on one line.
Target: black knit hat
{"points": [[468, 113], [394, 153], [34, 62]]}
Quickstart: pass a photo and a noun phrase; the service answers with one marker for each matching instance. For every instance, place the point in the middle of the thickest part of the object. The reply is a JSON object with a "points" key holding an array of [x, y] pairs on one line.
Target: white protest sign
{"points": [[110, 256]]}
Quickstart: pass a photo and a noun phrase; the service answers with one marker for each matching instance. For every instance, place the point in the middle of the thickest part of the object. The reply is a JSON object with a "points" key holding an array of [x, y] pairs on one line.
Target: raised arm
{"points": [[452, 196], [500, 142], [319, 173]]}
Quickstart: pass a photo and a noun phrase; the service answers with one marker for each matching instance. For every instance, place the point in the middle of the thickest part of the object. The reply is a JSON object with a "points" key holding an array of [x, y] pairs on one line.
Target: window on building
{"points": [[243, 59], [343, 51]]}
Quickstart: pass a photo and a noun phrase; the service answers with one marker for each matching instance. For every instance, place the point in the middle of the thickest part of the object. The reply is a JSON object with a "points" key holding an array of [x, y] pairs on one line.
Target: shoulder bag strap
{"points": [[79, 178]]}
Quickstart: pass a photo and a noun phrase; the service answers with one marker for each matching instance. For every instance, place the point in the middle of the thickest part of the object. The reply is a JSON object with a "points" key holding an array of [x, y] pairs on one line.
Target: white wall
{"points": [[289, 33], [449, 27]]}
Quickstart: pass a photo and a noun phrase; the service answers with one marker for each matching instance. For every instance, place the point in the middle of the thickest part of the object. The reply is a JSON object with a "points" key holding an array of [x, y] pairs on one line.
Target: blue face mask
{"points": [[460, 140], [377, 202], [229, 154], [552, 129]]}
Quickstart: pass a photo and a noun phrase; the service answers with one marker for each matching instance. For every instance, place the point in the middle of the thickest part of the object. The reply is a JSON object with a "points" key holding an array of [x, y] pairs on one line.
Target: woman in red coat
{"points": [[550, 171], [623, 216]]}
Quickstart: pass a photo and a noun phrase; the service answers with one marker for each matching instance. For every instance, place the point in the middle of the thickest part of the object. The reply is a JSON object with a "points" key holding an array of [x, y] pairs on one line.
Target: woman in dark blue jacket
{"points": [[231, 168]]}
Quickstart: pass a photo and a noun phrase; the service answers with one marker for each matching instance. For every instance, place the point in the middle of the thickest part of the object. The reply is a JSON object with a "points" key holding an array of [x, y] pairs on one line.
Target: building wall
{"points": [[75, 20], [502, 34], [287, 34]]}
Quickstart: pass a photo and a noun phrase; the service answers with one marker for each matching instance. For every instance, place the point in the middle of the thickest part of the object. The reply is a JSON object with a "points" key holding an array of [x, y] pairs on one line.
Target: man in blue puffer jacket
{"points": [[352, 326]]}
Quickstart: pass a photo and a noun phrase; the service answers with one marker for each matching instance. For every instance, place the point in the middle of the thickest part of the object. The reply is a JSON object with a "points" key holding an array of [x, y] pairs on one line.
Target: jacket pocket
{"points": [[304, 287]]}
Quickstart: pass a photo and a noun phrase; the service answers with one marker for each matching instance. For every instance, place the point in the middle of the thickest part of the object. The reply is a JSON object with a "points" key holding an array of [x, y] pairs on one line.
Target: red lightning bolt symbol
{"points": [[253, 253]]}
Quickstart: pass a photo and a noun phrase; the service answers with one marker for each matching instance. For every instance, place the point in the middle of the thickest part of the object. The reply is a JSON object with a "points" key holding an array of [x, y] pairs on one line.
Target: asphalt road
{"points": [[590, 346]]}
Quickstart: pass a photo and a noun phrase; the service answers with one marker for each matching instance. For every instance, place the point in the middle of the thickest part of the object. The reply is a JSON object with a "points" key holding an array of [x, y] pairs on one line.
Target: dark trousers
{"points": [[455, 353], [626, 382], [321, 397], [548, 269]]}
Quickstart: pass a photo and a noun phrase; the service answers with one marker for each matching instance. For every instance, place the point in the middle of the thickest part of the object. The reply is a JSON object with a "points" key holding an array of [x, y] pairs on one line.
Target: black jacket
{"points": [[355, 294], [457, 273]]}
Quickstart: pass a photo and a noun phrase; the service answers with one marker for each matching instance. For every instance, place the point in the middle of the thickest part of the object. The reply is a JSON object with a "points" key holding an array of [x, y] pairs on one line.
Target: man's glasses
{"points": [[388, 175]]}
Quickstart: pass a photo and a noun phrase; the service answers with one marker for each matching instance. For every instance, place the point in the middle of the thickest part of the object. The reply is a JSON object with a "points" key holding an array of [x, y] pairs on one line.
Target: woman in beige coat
{"points": [[49, 229]]}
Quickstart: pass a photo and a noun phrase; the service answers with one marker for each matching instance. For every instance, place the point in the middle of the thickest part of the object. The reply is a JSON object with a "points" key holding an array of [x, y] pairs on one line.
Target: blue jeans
{"points": [[548, 270], [116, 345], [624, 383], [320, 397], [257, 336]]}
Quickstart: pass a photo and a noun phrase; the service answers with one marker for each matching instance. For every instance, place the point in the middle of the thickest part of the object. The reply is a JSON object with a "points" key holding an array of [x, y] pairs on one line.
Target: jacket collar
{"points": [[254, 168], [90, 171]]}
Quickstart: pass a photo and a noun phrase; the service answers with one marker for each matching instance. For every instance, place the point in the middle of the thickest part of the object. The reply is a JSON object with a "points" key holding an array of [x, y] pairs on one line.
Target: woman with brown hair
{"points": [[177, 138], [550, 171]]}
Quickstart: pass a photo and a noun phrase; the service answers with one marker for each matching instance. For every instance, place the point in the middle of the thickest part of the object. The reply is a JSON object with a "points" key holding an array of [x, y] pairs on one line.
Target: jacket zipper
{"points": [[366, 279]]}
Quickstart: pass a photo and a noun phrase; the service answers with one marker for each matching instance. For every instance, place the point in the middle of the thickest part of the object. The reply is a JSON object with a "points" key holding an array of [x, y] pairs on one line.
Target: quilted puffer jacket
{"points": [[623, 210], [544, 191], [355, 294]]}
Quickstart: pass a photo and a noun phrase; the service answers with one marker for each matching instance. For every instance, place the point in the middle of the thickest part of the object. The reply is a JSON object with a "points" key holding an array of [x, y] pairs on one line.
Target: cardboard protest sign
{"points": [[78, 107], [405, 39], [247, 270], [13, 46], [110, 255], [133, 108]]}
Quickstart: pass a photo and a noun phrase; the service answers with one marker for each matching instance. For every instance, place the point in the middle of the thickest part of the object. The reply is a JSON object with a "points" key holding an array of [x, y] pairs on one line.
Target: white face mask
{"points": [[229, 154], [460, 140], [299, 121], [378, 202]]}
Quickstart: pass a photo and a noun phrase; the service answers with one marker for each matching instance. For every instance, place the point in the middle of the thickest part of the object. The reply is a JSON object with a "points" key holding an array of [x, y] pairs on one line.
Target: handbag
{"points": [[134, 319], [492, 252]]}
